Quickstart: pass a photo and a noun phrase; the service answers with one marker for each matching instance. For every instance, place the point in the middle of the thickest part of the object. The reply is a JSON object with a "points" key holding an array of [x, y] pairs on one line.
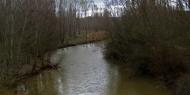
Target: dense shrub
{"points": [[153, 39], [28, 29]]}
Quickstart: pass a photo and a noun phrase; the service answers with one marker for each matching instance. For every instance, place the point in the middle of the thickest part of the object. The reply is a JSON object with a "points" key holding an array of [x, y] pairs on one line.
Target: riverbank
{"points": [[80, 39], [85, 71], [155, 45], [92, 37], [42, 63], [85, 38]]}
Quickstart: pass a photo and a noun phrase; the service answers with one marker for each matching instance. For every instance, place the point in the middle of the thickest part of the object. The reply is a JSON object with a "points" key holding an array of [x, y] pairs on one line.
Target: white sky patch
{"points": [[57, 2], [173, 3], [100, 4]]}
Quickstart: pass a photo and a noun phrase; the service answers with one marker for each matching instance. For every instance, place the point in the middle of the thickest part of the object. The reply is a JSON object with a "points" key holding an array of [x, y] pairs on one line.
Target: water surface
{"points": [[84, 71]]}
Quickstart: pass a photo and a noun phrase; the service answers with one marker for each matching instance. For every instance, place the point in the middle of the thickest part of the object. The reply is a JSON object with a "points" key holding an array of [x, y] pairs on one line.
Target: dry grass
{"points": [[96, 36]]}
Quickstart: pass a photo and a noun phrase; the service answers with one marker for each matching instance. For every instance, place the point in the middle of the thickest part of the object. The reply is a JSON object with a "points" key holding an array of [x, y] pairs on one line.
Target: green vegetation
{"points": [[152, 38]]}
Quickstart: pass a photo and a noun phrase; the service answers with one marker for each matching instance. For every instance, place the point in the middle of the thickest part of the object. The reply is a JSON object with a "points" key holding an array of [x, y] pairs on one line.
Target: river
{"points": [[84, 71]]}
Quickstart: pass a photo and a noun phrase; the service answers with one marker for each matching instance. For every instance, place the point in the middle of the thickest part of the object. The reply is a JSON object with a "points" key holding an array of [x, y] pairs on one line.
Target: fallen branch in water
{"points": [[38, 71]]}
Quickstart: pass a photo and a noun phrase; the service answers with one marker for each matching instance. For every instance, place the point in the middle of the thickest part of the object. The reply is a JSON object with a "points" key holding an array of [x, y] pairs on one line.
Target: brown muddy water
{"points": [[84, 71]]}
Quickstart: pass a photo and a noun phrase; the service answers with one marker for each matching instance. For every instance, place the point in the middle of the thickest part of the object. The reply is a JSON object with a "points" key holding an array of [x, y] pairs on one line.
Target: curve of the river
{"points": [[84, 71]]}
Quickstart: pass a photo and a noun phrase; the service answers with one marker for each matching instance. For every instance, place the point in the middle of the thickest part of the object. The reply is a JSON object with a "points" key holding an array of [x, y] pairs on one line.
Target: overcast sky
{"points": [[114, 6]]}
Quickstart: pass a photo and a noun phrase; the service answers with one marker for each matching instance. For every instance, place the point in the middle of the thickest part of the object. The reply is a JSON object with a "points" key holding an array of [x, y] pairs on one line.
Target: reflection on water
{"points": [[85, 72]]}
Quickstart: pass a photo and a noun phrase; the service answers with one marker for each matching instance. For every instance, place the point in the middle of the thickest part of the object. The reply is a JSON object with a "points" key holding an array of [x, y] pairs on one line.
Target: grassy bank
{"points": [[84, 37], [153, 39]]}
